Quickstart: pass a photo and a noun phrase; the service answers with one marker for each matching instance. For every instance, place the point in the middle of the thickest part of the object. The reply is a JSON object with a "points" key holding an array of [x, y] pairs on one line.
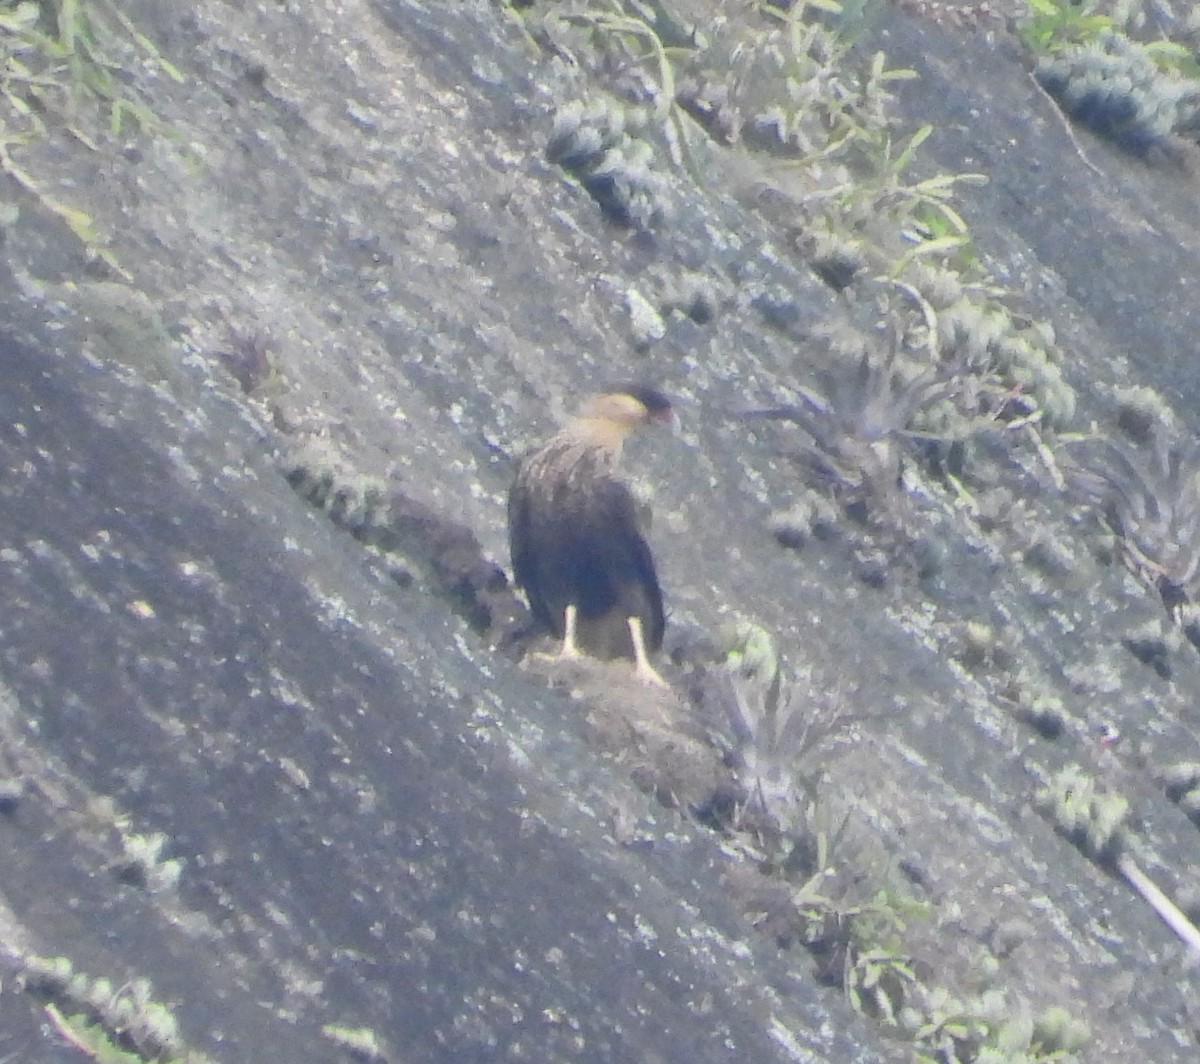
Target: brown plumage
{"points": [[577, 548]]}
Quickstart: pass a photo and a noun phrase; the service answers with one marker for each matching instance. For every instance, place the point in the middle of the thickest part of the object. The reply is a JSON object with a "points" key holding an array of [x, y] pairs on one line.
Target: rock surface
{"points": [[265, 740]]}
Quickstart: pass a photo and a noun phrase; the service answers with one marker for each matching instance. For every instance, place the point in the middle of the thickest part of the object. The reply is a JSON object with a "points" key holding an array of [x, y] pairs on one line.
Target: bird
{"points": [[576, 543]]}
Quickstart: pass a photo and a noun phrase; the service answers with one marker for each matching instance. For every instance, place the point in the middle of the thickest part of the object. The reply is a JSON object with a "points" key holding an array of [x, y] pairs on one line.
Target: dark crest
{"points": [[651, 398]]}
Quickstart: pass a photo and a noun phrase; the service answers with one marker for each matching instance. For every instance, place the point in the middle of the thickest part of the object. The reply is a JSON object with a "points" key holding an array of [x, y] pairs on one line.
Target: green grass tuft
{"points": [[65, 65]]}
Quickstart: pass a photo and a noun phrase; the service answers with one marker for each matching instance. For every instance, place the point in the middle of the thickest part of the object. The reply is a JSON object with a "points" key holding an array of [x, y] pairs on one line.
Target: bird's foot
{"points": [[556, 657], [646, 672], [567, 652], [642, 667]]}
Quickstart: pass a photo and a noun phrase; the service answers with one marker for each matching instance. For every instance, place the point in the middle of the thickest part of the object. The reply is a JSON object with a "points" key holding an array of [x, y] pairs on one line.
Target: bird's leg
{"points": [[569, 651], [644, 670]]}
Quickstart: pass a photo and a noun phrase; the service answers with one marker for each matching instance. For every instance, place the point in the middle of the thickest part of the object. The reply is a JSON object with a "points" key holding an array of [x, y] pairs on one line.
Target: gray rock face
{"points": [[265, 740], [368, 835]]}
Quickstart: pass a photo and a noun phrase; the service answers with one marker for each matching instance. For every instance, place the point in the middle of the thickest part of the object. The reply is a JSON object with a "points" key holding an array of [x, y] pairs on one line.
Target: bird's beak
{"points": [[669, 419]]}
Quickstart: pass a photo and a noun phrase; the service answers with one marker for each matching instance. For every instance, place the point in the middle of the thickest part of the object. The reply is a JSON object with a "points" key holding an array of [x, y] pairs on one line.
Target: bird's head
{"points": [[627, 407]]}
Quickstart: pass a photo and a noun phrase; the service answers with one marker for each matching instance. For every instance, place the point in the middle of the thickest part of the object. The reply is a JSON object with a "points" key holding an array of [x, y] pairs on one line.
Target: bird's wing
{"points": [[630, 557], [522, 548]]}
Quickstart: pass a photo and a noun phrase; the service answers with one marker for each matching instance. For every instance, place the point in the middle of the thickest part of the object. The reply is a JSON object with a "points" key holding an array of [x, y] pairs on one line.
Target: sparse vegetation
{"points": [[854, 436], [1090, 816], [940, 382], [399, 531], [991, 1029], [93, 1040], [119, 1025], [1094, 818], [610, 141], [62, 54], [957, 364], [1181, 781], [142, 864], [361, 1043], [1149, 493], [841, 171], [60, 58], [774, 729], [1042, 710], [1057, 25], [602, 144], [250, 358], [878, 974], [854, 926], [1138, 92], [1114, 86]]}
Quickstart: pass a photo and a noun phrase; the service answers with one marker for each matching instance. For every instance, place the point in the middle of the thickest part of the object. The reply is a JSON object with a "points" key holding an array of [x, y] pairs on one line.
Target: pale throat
{"points": [[604, 432]]}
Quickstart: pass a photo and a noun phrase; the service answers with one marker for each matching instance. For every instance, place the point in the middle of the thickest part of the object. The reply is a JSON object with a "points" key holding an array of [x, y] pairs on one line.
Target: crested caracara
{"points": [[573, 532]]}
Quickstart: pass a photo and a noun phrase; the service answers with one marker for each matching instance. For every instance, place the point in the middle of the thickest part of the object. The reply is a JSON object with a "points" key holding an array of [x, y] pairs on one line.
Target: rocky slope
{"points": [[266, 736]]}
